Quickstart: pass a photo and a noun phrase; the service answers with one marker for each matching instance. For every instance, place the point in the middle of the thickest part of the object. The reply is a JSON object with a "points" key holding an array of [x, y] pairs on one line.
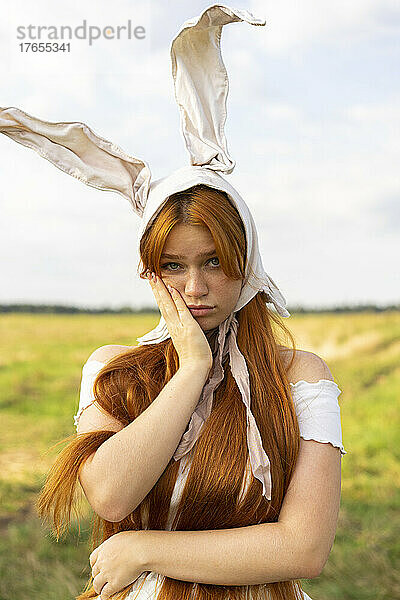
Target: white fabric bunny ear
{"points": [[201, 84], [77, 150]]}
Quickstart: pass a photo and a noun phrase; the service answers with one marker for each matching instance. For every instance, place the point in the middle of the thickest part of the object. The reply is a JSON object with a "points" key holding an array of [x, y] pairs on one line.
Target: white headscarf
{"points": [[201, 89]]}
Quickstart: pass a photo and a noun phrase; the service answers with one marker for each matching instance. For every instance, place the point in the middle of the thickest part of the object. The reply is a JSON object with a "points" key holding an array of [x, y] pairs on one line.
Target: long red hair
{"points": [[128, 384]]}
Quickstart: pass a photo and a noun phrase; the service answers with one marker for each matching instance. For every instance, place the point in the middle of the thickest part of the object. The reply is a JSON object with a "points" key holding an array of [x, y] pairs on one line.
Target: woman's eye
{"points": [[215, 258], [168, 264]]}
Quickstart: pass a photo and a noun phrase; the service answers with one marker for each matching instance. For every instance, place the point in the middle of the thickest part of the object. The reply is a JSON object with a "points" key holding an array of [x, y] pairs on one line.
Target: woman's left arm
{"points": [[295, 547]]}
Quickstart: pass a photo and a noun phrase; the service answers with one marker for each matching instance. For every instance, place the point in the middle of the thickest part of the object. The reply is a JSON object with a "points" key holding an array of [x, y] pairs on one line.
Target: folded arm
{"points": [[295, 547]]}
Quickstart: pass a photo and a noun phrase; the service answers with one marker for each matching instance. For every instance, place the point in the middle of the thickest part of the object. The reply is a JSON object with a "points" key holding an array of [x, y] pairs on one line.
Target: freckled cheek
{"points": [[176, 280], [218, 289], [232, 291], [172, 278], [225, 291]]}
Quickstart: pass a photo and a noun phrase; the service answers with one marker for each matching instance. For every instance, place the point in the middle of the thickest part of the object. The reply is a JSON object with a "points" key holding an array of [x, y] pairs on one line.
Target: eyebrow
{"points": [[180, 257]]}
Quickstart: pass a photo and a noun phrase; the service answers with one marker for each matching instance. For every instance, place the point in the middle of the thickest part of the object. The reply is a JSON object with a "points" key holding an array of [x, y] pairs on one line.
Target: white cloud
{"points": [[279, 111], [293, 25], [387, 113]]}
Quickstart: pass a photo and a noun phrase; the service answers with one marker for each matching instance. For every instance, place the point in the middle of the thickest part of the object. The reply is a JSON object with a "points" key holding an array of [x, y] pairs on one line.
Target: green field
{"points": [[40, 369]]}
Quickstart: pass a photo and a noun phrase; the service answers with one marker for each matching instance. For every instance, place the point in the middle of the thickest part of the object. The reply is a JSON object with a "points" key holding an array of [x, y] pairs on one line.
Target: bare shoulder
{"points": [[306, 366], [107, 352]]}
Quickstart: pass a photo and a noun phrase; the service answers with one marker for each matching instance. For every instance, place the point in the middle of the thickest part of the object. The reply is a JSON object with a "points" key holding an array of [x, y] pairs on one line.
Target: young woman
{"points": [[211, 452], [200, 527]]}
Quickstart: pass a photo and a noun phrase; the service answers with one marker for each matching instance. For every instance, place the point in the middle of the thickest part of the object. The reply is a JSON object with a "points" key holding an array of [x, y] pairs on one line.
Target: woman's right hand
{"points": [[188, 337]]}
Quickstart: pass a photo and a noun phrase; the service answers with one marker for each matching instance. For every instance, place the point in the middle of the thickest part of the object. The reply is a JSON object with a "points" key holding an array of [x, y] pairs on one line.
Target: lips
{"points": [[199, 306], [198, 312]]}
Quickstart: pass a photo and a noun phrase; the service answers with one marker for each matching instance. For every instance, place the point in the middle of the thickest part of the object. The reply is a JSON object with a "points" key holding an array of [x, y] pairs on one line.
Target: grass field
{"points": [[40, 370]]}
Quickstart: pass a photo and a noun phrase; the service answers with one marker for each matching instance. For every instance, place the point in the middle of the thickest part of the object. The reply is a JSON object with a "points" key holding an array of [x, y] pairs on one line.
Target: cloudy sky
{"points": [[313, 124]]}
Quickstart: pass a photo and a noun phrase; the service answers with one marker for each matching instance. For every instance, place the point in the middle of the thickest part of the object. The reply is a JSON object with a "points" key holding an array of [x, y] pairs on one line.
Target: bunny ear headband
{"points": [[201, 89]]}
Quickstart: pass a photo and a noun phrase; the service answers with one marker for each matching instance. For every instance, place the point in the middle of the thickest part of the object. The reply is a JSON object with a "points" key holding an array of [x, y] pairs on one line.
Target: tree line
{"points": [[64, 309]]}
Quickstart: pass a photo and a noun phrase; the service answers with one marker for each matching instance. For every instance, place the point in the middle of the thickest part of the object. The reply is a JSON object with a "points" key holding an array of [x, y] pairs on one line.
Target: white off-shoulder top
{"points": [[318, 415]]}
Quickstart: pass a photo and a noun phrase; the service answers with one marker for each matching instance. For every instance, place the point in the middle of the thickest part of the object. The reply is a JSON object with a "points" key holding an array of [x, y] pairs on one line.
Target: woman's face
{"points": [[190, 264]]}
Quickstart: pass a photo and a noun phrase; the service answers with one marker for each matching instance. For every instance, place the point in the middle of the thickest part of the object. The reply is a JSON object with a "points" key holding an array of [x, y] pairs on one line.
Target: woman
{"points": [[224, 539], [211, 452]]}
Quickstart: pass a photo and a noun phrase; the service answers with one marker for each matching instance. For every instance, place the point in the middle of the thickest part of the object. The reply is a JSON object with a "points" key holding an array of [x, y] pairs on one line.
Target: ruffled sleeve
{"points": [[318, 411], [89, 372]]}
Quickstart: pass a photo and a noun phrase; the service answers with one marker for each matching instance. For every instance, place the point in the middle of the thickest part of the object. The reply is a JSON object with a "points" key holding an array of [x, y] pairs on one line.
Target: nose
{"points": [[195, 285]]}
